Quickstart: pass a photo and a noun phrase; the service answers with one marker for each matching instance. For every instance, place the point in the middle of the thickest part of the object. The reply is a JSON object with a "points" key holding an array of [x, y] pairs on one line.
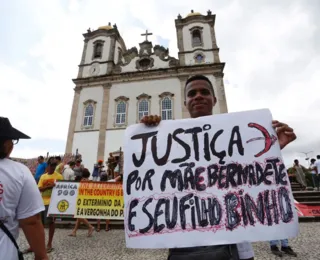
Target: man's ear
{"points": [[214, 100]]}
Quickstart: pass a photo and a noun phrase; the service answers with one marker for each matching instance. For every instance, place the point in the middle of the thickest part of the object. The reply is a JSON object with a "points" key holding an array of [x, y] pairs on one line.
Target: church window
{"points": [[199, 58], [121, 113], [121, 110], [97, 49], [144, 63], [196, 36], [88, 114], [119, 56], [143, 108], [166, 106]]}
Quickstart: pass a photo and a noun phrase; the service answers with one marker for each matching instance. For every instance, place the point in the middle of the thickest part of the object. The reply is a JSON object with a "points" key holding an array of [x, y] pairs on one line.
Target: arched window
{"points": [[196, 38], [166, 108], [121, 112], [88, 115], [97, 49], [143, 108]]}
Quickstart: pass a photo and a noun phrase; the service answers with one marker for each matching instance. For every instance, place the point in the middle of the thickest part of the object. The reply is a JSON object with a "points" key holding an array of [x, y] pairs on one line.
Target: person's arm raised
{"points": [[152, 120]]}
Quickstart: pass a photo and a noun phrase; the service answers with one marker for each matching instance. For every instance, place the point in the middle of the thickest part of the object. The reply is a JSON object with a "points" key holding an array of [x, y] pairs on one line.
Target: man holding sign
{"points": [[203, 202]]}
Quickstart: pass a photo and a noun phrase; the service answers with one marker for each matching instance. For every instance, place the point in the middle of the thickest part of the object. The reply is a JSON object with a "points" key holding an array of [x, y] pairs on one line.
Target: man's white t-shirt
{"points": [[317, 164], [245, 250], [20, 198], [68, 173]]}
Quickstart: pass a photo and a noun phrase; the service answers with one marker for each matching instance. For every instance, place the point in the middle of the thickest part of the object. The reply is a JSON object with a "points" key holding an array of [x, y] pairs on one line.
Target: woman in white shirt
{"points": [[20, 199]]}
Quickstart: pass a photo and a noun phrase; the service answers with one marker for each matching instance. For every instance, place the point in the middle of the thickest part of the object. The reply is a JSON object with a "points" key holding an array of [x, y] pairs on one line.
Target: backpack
{"points": [[218, 252]]}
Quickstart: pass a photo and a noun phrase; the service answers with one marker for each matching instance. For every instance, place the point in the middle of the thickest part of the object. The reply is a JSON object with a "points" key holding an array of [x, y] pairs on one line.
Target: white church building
{"points": [[116, 86]]}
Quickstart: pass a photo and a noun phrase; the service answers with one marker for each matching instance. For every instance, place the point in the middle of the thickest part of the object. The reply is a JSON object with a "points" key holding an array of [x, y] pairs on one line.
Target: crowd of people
{"points": [[52, 170], [314, 169]]}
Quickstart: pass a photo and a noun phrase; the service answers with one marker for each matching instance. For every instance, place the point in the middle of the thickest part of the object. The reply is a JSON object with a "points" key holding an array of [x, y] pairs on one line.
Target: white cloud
{"points": [[269, 49]]}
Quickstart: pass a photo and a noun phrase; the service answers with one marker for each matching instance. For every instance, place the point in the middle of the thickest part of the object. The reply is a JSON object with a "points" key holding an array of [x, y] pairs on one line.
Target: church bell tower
{"points": [[102, 50], [196, 39]]}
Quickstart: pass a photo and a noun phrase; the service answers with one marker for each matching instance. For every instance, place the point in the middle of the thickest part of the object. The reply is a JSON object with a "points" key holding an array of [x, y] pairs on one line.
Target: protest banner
{"points": [[63, 199], [100, 200], [206, 181]]}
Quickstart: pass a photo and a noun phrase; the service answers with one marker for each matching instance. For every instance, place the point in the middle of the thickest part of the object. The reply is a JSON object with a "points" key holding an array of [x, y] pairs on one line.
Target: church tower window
{"points": [[121, 111], [97, 49], [166, 106], [196, 36], [88, 115]]}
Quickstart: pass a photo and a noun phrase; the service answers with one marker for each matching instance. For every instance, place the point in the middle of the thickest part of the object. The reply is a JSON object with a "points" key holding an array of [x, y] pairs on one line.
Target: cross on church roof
{"points": [[146, 34]]}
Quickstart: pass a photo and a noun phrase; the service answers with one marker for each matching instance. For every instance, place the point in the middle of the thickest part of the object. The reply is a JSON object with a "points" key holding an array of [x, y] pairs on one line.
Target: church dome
{"points": [[193, 13], [106, 27]]}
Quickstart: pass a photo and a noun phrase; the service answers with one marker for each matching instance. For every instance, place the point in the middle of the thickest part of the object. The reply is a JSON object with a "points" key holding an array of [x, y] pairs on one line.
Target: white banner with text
{"points": [[211, 180], [64, 199]]}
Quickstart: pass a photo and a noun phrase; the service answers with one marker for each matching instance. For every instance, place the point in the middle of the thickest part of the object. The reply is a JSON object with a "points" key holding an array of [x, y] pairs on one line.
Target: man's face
{"points": [[296, 162], [51, 169], [199, 98], [40, 160]]}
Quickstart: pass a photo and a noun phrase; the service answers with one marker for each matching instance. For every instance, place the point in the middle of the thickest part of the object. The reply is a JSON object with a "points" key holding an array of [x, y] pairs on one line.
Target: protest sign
{"points": [[206, 181], [100, 200], [63, 199]]}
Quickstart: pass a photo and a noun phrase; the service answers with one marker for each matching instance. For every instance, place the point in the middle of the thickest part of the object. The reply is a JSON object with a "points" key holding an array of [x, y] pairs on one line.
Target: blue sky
{"points": [[271, 50]]}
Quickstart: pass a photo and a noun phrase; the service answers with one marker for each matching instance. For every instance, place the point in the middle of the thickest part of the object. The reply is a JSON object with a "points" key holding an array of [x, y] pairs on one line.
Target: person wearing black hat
{"points": [[20, 199]]}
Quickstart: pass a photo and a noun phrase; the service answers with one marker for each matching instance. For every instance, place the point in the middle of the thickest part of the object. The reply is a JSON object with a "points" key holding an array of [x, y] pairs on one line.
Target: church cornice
{"points": [[95, 61], [210, 19], [198, 49], [113, 33], [173, 72]]}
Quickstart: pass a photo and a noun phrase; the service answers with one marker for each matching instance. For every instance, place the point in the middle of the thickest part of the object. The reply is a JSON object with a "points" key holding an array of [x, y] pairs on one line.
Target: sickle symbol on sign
{"points": [[269, 140]]}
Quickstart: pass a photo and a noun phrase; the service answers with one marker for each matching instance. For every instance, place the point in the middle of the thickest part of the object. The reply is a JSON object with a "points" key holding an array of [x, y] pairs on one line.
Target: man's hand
{"points": [[285, 133], [151, 120], [50, 185]]}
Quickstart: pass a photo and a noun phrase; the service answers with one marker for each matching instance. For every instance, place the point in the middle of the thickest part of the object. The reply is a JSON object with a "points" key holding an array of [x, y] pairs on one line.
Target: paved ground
{"points": [[111, 246]]}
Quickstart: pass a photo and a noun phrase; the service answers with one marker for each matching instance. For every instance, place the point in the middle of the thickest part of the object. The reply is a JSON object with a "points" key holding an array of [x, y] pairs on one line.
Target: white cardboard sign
{"points": [[63, 199], [206, 181]]}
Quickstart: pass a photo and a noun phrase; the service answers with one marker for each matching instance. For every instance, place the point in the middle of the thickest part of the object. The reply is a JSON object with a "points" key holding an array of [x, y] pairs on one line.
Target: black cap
{"points": [[9, 132]]}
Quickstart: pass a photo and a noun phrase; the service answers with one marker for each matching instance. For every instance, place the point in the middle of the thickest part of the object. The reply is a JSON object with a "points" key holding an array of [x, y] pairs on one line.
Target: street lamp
{"points": [[306, 154]]}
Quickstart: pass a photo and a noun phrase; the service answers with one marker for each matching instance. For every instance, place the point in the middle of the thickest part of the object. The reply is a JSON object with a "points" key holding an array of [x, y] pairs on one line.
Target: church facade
{"points": [[116, 86]]}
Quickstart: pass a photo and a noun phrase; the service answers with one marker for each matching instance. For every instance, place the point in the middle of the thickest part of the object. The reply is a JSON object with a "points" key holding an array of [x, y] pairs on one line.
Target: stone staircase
{"points": [[309, 197]]}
